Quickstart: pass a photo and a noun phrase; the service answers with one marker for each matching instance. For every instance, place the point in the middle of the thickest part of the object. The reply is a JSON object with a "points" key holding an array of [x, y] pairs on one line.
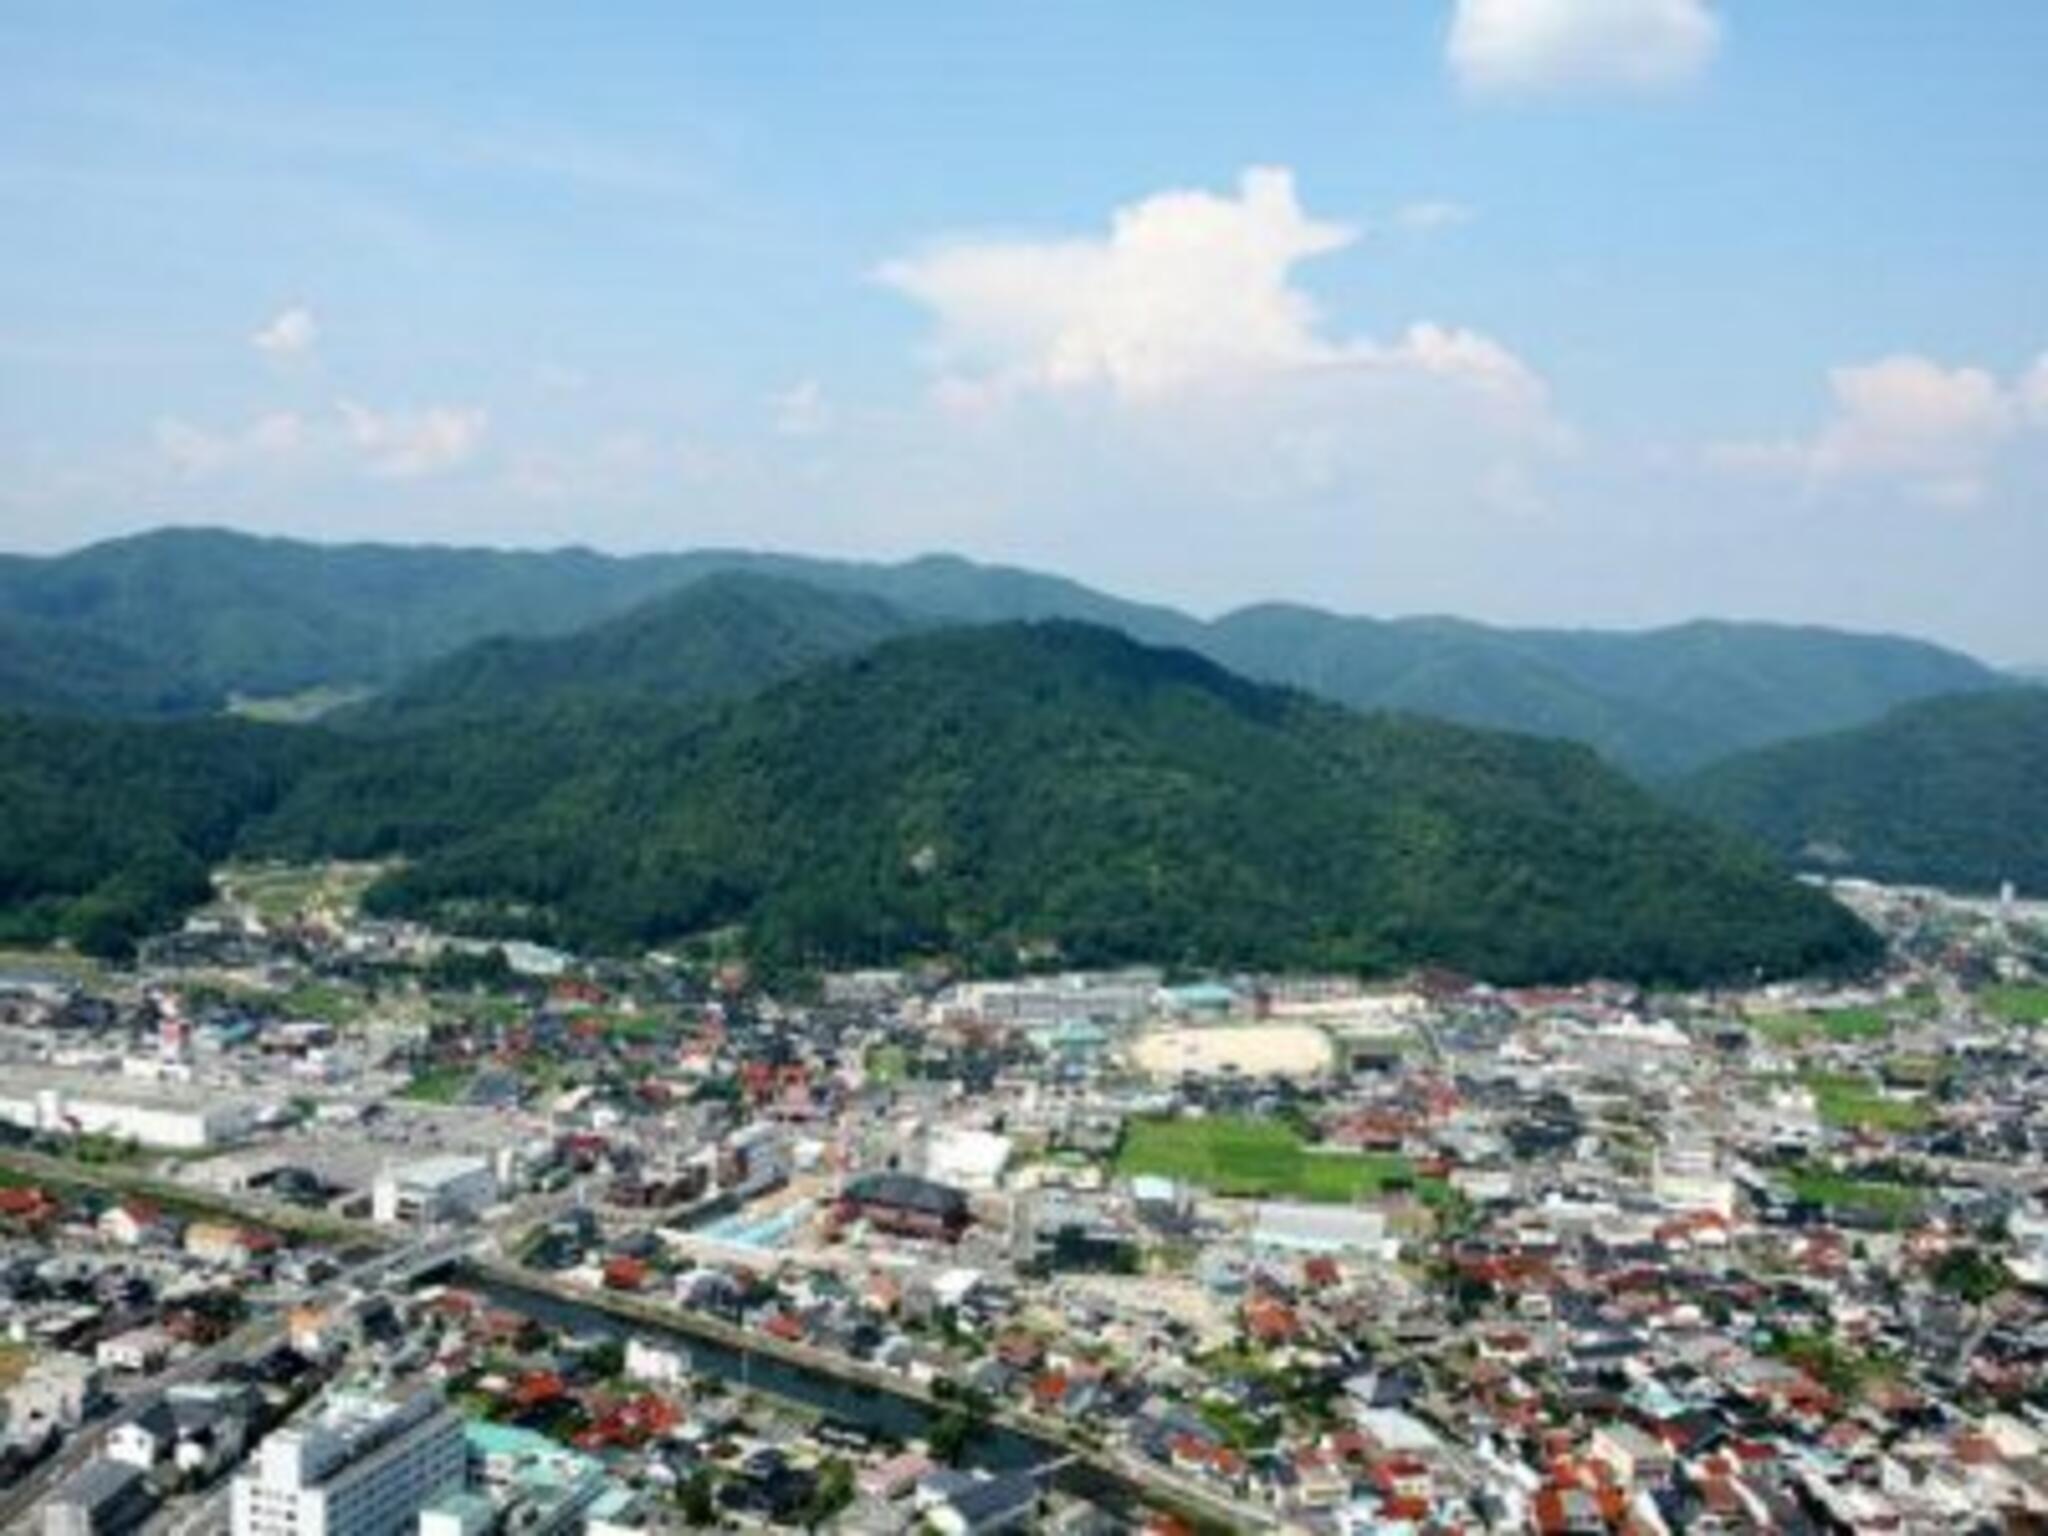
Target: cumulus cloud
{"points": [[291, 332], [407, 446], [1933, 430], [1189, 292], [1539, 46]]}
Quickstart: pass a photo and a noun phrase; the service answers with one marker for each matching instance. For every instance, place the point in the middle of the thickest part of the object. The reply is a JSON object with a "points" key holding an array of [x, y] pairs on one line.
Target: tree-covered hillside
{"points": [[1055, 788], [1949, 792], [721, 637], [108, 831], [980, 791]]}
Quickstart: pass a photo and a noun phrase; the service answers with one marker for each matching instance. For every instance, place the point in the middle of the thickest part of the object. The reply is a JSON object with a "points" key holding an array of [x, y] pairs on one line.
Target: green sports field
{"points": [[1236, 1155]]}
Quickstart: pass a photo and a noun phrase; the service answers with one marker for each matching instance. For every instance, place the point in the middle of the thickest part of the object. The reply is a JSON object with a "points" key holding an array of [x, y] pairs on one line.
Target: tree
{"points": [[832, 1492]]}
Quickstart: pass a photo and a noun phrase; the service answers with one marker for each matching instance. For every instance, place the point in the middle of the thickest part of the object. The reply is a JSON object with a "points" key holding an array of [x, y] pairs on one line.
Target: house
{"points": [[1633, 1456], [896, 1477], [228, 1245], [965, 1504], [195, 1429], [58, 1392], [102, 1498], [27, 1206], [139, 1350], [135, 1224]]}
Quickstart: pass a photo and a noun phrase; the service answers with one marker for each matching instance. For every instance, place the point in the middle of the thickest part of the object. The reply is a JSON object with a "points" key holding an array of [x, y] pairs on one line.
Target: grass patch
{"points": [[324, 1002], [2026, 1005], [887, 1063], [1895, 1204], [438, 1085], [1838, 1024], [1849, 1101], [1233, 1155], [15, 1360]]}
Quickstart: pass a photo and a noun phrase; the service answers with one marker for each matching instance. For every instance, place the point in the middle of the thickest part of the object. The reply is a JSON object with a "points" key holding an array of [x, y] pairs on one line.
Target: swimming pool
{"points": [[743, 1231]]}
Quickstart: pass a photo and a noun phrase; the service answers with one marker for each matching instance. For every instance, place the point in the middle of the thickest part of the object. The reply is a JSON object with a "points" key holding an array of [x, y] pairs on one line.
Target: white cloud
{"points": [[1934, 431], [387, 445], [1537, 46], [291, 332], [399, 446], [2033, 391], [1188, 293], [1427, 217], [802, 410], [194, 452]]}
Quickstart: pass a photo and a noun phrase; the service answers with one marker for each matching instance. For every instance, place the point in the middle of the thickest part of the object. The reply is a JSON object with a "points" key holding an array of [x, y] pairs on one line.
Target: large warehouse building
{"points": [[180, 1116]]}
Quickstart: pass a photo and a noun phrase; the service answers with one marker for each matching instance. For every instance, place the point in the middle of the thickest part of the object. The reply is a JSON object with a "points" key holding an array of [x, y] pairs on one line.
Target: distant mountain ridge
{"points": [[199, 615], [1949, 791], [723, 636]]}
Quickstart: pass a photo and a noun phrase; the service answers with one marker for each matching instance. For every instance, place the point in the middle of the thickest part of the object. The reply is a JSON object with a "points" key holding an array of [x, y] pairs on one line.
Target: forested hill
{"points": [[176, 622], [727, 635], [977, 791], [109, 830], [967, 792], [1947, 792]]}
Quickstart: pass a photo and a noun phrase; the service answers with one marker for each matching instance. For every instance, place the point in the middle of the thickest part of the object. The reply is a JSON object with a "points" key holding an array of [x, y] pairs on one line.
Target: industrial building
{"points": [[180, 1116]]}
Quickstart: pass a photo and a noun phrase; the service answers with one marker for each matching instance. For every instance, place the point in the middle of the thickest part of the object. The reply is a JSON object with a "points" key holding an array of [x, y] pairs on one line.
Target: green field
{"points": [[438, 1085], [887, 1063], [297, 708], [1233, 1155], [2015, 1004], [1846, 1100], [1843, 1024], [1895, 1203]]}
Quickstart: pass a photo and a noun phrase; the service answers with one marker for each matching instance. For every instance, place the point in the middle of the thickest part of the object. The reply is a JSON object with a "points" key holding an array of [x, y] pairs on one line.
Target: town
{"points": [[319, 1222]]}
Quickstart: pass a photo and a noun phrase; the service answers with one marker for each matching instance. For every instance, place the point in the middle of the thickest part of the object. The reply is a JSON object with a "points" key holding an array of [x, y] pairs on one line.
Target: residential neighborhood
{"points": [[310, 1212]]}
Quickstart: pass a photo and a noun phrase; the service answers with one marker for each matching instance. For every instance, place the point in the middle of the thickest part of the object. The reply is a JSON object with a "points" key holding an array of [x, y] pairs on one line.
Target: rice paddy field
{"points": [[2016, 1004]]}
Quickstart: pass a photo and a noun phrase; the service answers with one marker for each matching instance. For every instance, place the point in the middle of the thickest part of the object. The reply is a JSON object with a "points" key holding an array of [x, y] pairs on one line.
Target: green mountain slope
{"points": [[201, 615], [1950, 791], [977, 791], [723, 636], [109, 830]]}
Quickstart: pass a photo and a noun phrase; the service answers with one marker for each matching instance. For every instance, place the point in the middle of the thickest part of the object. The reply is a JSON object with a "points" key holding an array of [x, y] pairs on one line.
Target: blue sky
{"points": [[1551, 311]]}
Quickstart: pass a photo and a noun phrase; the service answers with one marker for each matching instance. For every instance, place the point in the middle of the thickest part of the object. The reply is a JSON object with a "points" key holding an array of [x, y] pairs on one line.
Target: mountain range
{"points": [[850, 763], [178, 622]]}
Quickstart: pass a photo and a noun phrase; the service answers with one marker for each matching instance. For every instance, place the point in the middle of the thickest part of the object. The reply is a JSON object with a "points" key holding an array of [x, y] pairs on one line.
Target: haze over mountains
{"points": [[175, 622]]}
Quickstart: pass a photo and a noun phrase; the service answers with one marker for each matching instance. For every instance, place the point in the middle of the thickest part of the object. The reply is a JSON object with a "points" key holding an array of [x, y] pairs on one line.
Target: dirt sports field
{"points": [[1255, 1050]]}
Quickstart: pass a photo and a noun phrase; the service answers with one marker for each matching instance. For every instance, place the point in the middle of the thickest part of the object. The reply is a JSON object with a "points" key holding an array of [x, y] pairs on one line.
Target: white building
{"points": [[1288, 1227], [170, 1114], [967, 1159], [434, 1189], [362, 1466]]}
